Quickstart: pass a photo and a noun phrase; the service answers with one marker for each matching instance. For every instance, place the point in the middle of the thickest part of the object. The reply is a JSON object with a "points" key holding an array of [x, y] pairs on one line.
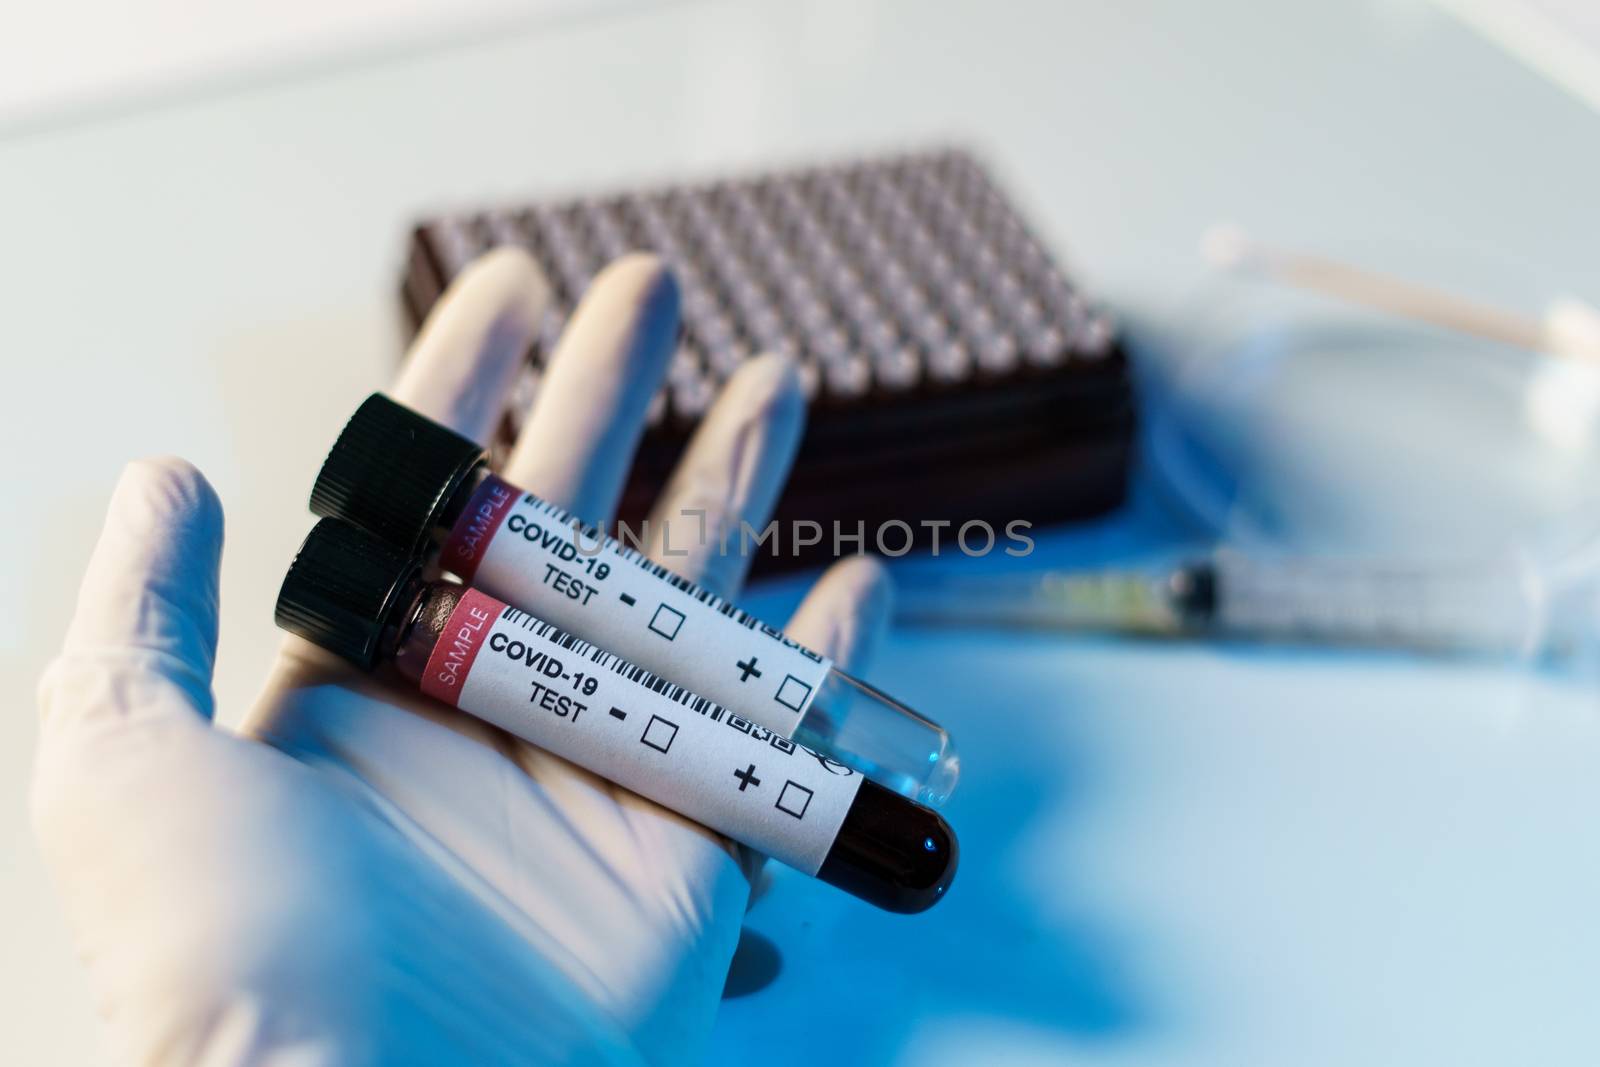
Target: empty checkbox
{"points": [[794, 799], [666, 622], [660, 734], [793, 693]]}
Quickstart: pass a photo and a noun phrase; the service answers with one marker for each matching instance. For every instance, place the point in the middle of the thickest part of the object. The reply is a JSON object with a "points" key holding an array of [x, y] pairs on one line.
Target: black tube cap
{"points": [[392, 471], [343, 588]]}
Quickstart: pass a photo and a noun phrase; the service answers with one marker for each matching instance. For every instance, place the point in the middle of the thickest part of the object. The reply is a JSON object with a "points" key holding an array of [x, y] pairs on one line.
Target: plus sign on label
{"points": [[747, 669], [747, 777]]}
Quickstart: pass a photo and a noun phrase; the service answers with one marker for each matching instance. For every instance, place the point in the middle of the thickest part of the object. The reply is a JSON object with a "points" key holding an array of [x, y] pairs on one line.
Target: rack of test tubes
{"points": [[955, 371]]}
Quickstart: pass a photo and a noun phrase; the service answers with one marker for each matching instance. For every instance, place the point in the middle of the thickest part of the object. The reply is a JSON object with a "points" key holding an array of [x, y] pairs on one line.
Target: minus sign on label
{"points": [[628, 600], [618, 713]]}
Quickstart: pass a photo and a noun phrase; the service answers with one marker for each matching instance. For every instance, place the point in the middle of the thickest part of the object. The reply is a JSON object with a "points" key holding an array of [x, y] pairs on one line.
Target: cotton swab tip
{"points": [[1226, 247]]}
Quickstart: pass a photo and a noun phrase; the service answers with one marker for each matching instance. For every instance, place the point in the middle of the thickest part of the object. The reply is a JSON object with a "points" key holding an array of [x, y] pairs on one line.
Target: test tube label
{"points": [[514, 545], [649, 735]]}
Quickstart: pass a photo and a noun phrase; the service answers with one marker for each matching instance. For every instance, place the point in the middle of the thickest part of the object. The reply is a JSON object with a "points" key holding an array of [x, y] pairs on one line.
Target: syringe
{"points": [[1494, 609]]}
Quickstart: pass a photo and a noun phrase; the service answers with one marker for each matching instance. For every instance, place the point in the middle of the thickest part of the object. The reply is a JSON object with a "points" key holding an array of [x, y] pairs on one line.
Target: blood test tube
{"points": [[368, 602], [415, 483]]}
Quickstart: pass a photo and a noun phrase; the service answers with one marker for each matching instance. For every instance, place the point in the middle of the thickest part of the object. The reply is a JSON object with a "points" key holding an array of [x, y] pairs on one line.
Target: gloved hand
{"points": [[363, 876]]}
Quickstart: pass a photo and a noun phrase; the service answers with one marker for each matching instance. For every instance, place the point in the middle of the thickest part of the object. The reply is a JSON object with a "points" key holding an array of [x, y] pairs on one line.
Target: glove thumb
{"points": [[143, 640]]}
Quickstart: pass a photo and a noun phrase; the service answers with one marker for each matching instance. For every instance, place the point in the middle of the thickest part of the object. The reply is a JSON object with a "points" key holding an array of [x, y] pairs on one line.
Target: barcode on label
{"points": [[603, 660], [587, 535]]}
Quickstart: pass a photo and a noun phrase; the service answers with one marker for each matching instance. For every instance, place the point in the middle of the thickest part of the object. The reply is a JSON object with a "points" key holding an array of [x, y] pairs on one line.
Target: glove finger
{"points": [[148, 601], [846, 613], [728, 481], [466, 357], [579, 440]]}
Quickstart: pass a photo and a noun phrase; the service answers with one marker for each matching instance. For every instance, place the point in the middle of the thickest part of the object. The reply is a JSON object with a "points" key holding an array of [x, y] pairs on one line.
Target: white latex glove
{"points": [[363, 876]]}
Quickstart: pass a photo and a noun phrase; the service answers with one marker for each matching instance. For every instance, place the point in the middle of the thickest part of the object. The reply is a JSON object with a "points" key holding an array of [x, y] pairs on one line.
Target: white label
{"points": [[515, 546], [644, 733]]}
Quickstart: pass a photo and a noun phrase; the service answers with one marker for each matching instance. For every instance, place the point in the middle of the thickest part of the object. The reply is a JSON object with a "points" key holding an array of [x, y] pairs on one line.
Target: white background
{"points": [[75, 58], [1226, 858]]}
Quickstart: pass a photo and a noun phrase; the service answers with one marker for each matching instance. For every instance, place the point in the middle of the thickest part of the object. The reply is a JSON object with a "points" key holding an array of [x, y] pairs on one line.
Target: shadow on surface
{"points": [[1001, 947], [756, 964]]}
